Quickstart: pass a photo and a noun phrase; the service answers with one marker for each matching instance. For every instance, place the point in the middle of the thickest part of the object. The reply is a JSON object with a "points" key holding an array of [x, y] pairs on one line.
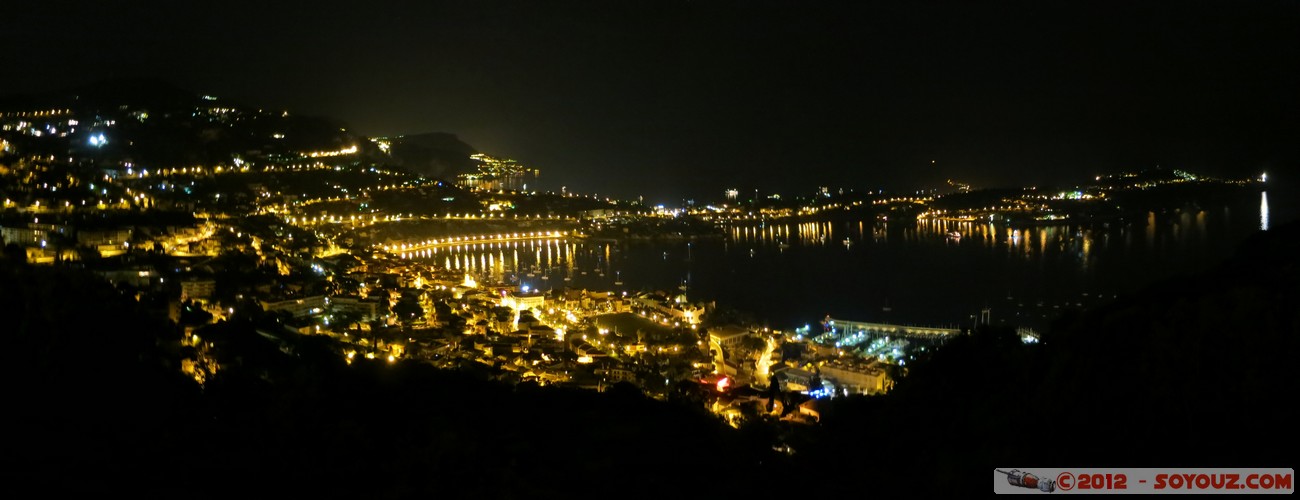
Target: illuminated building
{"points": [[306, 306], [139, 277], [728, 336], [793, 379], [104, 237], [588, 353], [198, 289], [29, 236], [812, 409], [523, 301], [857, 378], [366, 309], [614, 374], [676, 309]]}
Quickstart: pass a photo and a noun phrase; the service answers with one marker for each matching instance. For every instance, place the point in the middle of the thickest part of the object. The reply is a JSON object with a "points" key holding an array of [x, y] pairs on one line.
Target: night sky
{"points": [[673, 98]]}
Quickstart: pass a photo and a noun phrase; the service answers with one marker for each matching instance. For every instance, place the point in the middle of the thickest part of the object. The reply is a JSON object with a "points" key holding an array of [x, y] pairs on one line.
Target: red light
{"points": [[723, 384]]}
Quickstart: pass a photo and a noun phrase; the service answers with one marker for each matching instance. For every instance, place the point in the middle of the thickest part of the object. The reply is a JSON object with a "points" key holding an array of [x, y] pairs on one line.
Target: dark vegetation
{"points": [[98, 403], [1193, 372], [436, 154]]}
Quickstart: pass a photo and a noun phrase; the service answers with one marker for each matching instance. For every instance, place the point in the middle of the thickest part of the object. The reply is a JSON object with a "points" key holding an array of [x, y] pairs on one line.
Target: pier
{"points": [[840, 331]]}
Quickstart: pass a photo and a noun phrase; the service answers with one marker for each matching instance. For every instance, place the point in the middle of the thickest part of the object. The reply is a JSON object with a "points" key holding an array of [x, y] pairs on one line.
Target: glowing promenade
{"points": [[454, 241]]}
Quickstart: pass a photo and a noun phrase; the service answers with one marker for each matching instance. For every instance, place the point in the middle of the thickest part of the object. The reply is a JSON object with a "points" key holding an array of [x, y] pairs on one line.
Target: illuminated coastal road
{"points": [[472, 240]]}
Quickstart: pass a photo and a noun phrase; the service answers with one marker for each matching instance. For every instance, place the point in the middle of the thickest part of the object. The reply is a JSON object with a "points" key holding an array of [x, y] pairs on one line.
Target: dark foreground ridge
{"points": [[100, 407], [1195, 372], [1192, 372]]}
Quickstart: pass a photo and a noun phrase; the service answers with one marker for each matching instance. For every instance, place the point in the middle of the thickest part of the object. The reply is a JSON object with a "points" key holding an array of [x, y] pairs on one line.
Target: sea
{"points": [[790, 273]]}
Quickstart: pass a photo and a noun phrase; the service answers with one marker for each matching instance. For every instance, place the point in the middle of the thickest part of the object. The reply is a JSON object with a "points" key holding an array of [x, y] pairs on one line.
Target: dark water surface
{"points": [[928, 272]]}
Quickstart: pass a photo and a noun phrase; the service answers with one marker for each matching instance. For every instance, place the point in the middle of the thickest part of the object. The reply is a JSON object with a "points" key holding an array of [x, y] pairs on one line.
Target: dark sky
{"points": [[671, 98]]}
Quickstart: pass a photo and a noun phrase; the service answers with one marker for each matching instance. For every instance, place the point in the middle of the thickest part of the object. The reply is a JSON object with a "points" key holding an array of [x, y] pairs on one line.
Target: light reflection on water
{"points": [[1263, 211], [1181, 228], [930, 272]]}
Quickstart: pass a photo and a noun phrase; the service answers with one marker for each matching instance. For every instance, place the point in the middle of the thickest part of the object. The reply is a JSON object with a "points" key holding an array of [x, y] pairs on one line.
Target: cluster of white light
{"points": [[341, 152]]}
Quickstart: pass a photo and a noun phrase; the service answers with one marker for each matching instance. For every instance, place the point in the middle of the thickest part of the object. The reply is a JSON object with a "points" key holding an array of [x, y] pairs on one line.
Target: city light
{"points": [[388, 254]]}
